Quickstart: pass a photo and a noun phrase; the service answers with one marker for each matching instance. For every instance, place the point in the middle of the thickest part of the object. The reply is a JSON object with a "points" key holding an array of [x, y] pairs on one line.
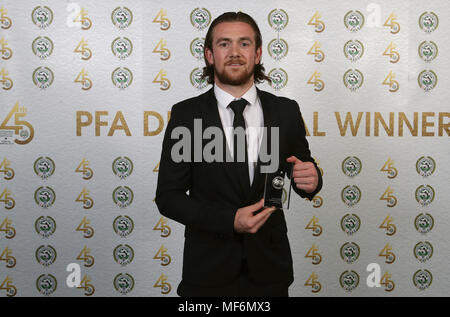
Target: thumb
{"points": [[257, 206], [293, 159]]}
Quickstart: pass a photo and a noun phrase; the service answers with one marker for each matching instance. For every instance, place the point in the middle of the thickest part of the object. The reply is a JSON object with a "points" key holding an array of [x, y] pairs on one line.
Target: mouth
{"points": [[235, 64]]}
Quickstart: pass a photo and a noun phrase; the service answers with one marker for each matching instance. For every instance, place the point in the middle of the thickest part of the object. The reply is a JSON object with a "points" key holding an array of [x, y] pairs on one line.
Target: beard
{"points": [[234, 78]]}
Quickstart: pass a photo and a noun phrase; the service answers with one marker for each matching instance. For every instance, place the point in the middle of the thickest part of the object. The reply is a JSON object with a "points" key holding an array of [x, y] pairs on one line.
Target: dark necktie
{"points": [[238, 107]]}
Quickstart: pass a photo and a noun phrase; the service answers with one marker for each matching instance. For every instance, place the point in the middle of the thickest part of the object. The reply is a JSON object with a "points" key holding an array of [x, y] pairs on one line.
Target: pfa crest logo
{"points": [[45, 226], [422, 279], [46, 284], [44, 196], [427, 80], [423, 251], [279, 78], [123, 196], [197, 47], [124, 283], [351, 166], [196, 78], [46, 255], [349, 280], [424, 195], [122, 167], [278, 48], [424, 223], [351, 195], [425, 166], [121, 47], [428, 51], [353, 50], [349, 252], [122, 17], [428, 22], [43, 77], [353, 79], [200, 18], [42, 47], [350, 223], [354, 20], [122, 77], [44, 167], [278, 19], [123, 254], [42, 16], [123, 226]]}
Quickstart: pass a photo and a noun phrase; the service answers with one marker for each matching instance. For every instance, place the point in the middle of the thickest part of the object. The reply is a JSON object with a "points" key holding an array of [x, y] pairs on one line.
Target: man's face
{"points": [[234, 54]]}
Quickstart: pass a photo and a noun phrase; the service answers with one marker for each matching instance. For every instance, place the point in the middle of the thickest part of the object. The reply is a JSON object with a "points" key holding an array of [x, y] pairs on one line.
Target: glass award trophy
{"points": [[277, 188]]}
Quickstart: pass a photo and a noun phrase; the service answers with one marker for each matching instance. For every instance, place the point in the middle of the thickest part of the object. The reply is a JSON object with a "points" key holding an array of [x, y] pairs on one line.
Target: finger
{"points": [[304, 180], [304, 173], [265, 212], [303, 166], [255, 207], [259, 224], [306, 187], [262, 220], [293, 159]]}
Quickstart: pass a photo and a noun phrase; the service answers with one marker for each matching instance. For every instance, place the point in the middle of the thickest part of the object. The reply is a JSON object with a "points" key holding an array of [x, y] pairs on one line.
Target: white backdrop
{"points": [[72, 107]]}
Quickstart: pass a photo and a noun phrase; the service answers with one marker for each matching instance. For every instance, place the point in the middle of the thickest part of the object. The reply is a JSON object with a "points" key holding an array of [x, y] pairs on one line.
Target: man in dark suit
{"points": [[233, 245]]}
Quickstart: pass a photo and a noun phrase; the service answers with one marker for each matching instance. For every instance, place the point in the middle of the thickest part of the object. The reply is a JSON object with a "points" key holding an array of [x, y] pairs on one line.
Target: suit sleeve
{"points": [[300, 149], [174, 180]]}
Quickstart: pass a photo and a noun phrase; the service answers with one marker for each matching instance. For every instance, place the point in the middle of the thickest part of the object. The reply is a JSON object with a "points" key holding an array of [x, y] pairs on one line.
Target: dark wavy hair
{"points": [[208, 70]]}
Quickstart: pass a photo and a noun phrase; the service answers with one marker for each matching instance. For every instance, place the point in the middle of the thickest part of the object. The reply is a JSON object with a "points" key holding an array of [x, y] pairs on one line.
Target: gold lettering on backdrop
{"points": [[115, 126], [433, 123], [379, 118], [444, 126], [403, 119], [367, 123], [426, 124], [348, 121], [352, 125], [80, 123], [160, 123], [316, 125], [99, 123]]}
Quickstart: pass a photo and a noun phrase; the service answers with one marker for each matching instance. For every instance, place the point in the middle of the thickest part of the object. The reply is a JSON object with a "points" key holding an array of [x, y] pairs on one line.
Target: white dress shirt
{"points": [[254, 122]]}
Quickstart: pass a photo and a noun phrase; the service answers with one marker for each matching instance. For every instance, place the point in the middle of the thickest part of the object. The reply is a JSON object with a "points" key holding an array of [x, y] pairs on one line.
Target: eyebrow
{"points": [[245, 38]]}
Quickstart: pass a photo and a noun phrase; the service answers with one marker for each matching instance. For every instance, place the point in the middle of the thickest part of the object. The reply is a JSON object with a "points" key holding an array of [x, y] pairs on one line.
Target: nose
{"points": [[235, 50]]}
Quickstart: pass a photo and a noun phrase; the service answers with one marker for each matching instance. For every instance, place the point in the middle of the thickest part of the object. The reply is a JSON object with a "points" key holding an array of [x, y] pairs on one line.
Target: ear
{"points": [[209, 56], [258, 55]]}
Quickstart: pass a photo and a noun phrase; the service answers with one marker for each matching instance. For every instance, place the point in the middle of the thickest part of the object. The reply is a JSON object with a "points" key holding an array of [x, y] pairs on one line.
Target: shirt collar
{"points": [[224, 98]]}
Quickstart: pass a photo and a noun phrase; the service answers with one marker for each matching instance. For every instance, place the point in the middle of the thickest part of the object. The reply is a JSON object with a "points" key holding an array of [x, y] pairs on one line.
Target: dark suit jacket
{"points": [[213, 252]]}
